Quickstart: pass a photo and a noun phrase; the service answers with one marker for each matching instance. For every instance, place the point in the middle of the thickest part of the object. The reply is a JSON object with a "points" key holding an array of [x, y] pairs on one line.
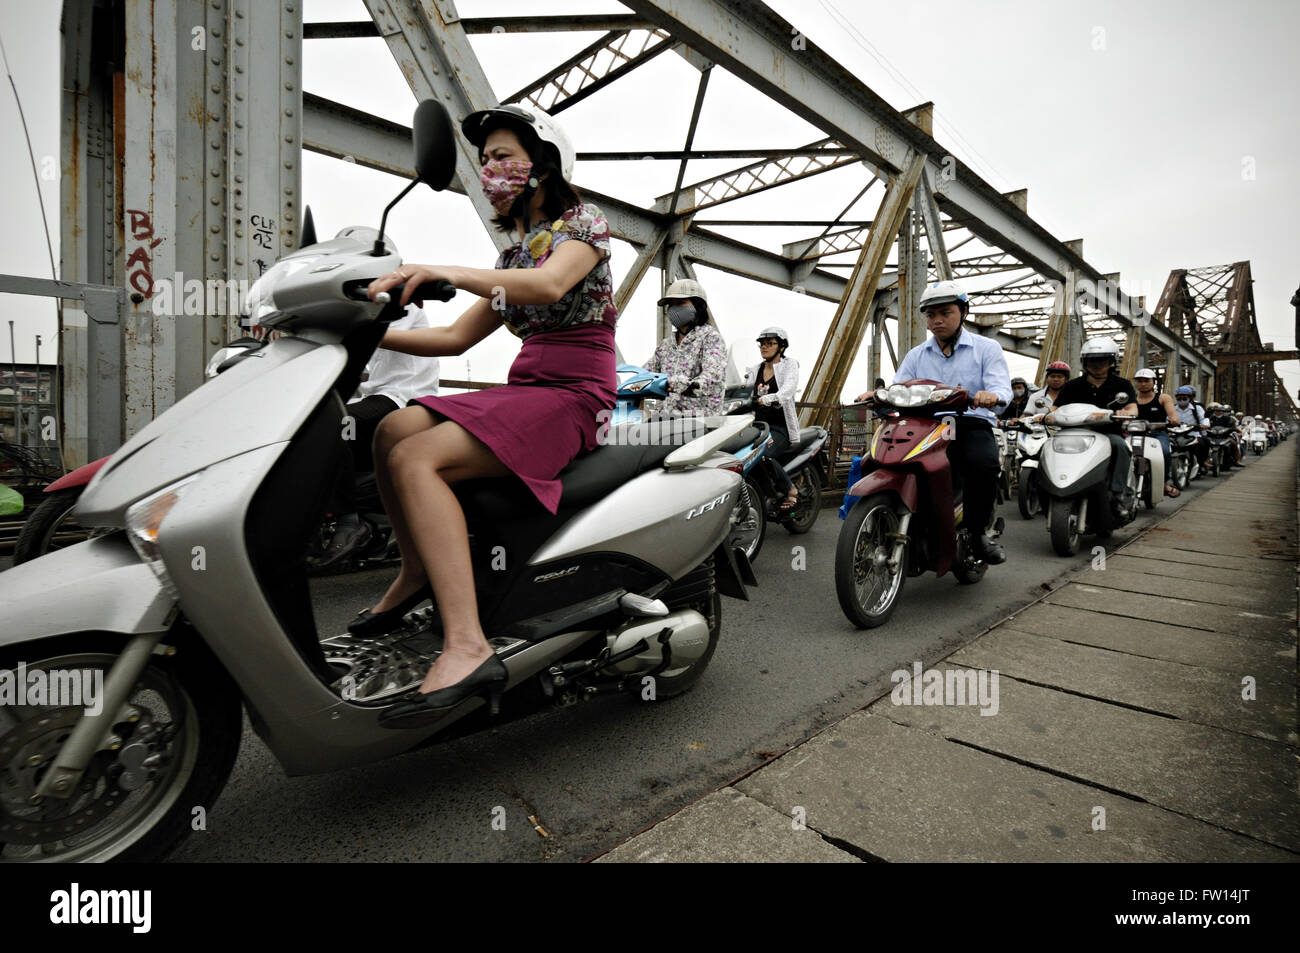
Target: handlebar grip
{"points": [[442, 291]]}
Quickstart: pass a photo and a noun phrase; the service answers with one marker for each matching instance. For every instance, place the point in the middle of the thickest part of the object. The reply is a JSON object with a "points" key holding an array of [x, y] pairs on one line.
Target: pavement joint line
{"points": [[1135, 540], [1120, 615], [1118, 793], [1161, 595], [1137, 708], [1107, 648], [848, 847], [1095, 698], [1055, 772]]}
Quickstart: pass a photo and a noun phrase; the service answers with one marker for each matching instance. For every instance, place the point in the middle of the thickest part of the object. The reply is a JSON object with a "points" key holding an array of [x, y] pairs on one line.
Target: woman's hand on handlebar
{"points": [[414, 276]]}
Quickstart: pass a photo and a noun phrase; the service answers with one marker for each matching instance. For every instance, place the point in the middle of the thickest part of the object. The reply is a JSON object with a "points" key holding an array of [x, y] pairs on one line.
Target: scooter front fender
{"points": [[887, 480], [96, 586]]}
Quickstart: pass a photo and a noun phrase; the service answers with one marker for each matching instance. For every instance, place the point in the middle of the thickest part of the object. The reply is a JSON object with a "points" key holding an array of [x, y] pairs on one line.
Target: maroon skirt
{"points": [[548, 411]]}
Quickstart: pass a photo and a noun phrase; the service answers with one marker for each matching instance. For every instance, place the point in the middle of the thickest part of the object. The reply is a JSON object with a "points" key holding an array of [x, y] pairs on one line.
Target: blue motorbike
{"points": [[636, 385]]}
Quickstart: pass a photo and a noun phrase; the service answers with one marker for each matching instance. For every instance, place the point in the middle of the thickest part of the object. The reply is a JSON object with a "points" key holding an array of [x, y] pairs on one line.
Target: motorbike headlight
{"points": [[636, 386], [143, 521], [1073, 443], [939, 393]]}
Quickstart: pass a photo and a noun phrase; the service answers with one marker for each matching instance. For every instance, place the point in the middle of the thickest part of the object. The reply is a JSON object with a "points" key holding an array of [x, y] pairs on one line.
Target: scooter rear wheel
{"points": [[805, 511], [52, 517], [867, 589]]}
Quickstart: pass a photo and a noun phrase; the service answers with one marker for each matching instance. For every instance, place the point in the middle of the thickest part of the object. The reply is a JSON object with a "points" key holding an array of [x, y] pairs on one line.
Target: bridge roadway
{"points": [[788, 664]]}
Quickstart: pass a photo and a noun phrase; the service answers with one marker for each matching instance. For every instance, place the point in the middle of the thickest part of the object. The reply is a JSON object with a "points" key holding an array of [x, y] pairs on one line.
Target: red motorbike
{"points": [[902, 518]]}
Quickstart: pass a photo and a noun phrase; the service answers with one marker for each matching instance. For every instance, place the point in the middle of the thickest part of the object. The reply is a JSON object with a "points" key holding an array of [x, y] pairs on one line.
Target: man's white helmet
{"points": [[943, 292], [476, 127], [1099, 347]]}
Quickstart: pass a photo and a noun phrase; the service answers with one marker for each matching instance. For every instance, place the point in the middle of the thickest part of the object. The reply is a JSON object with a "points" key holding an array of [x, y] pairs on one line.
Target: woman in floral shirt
{"points": [[694, 358], [553, 290]]}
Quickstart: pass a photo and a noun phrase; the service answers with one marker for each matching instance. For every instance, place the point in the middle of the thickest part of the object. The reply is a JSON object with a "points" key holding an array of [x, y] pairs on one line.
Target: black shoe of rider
{"points": [[348, 540], [989, 550]]}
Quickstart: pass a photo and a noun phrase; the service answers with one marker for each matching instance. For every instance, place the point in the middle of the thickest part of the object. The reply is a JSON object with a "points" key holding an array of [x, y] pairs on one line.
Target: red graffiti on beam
{"points": [[139, 264]]}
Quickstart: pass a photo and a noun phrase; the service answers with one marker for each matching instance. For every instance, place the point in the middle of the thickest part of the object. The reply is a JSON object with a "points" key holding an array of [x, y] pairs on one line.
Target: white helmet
{"points": [[943, 292], [476, 127], [775, 332], [1099, 347]]}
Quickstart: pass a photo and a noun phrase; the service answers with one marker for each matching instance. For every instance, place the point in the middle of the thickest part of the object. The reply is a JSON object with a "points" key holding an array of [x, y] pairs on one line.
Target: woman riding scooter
{"points": [[694, 357], [558, 297], [773, 383]]}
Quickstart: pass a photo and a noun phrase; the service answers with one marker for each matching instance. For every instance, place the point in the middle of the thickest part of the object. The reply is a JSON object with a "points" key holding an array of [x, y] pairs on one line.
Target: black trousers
{"points": [[355, 454], [776, 473], [973, 456]]}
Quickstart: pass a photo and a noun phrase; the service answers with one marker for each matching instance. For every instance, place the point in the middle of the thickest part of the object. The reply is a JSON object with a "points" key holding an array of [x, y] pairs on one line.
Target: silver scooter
{"points": [[196, 605], [1074, 474]]}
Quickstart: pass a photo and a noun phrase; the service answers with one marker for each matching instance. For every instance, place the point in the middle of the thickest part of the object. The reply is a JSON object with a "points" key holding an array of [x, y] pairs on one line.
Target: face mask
{"points": [[1018, 391], [504, 180], [1184, 401], [681, 315]]}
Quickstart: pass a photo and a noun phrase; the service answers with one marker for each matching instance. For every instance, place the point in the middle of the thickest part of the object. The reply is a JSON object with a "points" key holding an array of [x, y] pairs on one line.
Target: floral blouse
{"points": [[595, 295], [700, 359]]}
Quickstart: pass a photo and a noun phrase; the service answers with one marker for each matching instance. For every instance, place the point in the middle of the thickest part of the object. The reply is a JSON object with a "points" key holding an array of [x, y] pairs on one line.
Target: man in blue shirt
{"points": [[959, 358]]}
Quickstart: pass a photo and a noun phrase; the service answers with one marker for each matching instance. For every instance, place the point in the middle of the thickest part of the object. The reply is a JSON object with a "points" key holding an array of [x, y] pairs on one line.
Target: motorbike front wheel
{"points": [[1063, 526], [1027, 494], [142, 791], [803, 515], [867, 588]]}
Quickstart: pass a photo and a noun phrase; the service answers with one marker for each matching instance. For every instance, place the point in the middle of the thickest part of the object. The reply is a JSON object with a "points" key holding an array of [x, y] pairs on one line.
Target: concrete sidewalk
{"points": [[1146, 711]]}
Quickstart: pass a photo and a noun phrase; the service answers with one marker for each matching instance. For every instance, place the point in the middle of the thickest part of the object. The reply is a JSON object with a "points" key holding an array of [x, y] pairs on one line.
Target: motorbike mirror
{"points": [[1120, 400], [435, 145], [308, 229]]}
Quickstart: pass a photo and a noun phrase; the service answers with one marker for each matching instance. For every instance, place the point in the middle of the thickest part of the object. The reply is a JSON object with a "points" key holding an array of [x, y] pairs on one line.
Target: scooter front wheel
{"points": [[1027, 494], [868, 589], [1063, 526], [136, 800]]}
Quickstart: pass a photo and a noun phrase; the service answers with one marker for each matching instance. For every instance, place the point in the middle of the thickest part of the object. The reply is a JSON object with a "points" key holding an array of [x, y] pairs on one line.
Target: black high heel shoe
{"points": [[368, 624], [488, 679]]}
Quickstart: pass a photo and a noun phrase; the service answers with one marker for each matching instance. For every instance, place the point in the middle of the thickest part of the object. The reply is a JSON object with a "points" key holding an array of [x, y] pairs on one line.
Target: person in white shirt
{"points": [[773, 383], [392, 380]]}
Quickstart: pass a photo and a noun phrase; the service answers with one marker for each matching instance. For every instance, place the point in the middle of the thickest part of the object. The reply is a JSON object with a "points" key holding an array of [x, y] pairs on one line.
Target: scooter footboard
{"points": [[99, 585]]}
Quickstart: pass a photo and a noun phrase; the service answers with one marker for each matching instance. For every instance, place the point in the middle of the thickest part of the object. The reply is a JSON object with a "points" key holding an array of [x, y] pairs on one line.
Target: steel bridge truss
{"points": [[242, 189]]}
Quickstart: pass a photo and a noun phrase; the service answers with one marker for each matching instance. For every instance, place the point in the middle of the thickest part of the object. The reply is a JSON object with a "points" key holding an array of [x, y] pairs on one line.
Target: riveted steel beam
{"points": [[753, 42]]}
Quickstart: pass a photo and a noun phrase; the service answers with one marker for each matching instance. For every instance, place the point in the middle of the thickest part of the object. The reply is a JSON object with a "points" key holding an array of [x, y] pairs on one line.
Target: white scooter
{"points": [[1074, 474]]}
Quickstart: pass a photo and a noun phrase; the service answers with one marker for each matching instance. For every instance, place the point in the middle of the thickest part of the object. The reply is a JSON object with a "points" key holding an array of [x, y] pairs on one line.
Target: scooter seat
{"points": [[807, 437], [626, 451], [741, 440]]}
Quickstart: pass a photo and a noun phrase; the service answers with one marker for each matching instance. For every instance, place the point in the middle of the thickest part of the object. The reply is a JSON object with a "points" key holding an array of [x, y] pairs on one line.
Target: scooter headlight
{"points": [[1073, 443], [635, 387], [144, 519]]}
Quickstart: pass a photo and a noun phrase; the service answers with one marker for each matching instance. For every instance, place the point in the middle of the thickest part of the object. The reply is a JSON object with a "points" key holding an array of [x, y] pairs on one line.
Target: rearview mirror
{"points": [[435, 145]]}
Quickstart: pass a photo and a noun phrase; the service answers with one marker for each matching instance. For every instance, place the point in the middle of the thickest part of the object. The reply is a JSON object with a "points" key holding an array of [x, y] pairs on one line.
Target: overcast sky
{"points": [[1162, 133]]}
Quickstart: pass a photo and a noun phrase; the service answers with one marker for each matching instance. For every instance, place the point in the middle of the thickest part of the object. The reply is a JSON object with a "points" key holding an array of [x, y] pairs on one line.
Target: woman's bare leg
{"points": [[423, 467], [392, 430]]}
